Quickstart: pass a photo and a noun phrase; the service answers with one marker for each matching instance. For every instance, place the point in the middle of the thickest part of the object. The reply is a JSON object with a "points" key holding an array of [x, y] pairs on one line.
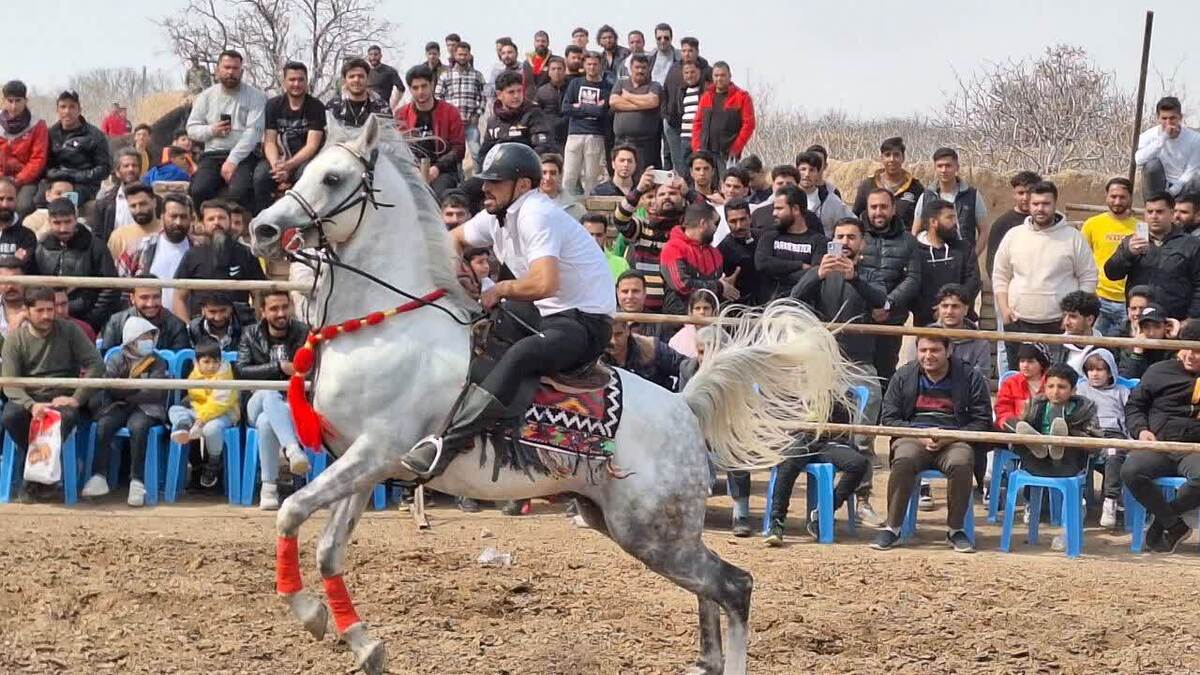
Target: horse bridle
{"points": [[360, 197]]}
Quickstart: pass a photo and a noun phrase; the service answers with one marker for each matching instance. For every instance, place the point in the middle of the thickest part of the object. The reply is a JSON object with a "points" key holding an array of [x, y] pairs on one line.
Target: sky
{"points": [[860, 57]]}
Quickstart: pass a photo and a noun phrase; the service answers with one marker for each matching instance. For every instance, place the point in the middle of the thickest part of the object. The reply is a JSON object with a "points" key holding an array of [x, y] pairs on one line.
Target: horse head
{"points": [[331, 199]]}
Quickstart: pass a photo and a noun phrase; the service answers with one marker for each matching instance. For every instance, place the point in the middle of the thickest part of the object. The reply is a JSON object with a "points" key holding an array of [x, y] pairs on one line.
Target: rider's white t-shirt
{"points": [[535, 227]]}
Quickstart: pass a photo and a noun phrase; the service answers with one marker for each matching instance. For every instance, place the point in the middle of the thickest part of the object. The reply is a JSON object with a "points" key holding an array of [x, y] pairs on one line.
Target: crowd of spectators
{"points": [[695, 223]]}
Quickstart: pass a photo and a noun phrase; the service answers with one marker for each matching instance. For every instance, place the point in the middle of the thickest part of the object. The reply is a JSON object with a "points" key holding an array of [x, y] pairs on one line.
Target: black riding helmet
{"points": [[510, 161]]}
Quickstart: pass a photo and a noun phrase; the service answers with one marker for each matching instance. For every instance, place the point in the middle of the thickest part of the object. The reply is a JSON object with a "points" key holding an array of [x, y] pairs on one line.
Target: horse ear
{"points": [[368, 138], [334, 131]]}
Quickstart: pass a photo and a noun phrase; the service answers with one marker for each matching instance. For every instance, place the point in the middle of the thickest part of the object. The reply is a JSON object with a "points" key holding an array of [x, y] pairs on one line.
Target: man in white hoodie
{"points": [[1038, 263]]}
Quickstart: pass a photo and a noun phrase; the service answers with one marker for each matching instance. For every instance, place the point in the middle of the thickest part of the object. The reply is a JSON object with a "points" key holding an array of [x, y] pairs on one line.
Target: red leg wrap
{"points": [[338, 597], [287, 566]]}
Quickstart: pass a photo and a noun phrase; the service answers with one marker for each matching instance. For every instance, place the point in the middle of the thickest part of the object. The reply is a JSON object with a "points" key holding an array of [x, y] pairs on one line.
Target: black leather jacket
{"points": [[83, 256], [80, 155], [255, 361]]}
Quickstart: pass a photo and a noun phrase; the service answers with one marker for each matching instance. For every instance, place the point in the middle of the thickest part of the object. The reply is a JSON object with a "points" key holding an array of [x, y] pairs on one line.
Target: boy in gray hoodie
{"points": [[1101, 387]]}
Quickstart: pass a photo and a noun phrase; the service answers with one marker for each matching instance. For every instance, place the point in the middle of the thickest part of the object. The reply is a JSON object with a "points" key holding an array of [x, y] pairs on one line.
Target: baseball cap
{"points": [[1152, 312]]}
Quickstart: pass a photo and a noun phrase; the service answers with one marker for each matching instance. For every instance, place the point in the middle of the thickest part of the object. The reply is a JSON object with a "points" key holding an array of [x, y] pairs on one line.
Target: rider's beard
{"points": [[218, 238]]}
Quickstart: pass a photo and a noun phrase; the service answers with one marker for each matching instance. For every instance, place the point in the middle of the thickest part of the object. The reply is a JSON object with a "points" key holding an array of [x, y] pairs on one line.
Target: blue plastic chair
{"points": [[909, 528], [819, 492], [317, 461], [151, 478], [70, 474], [1004, 462], [1135, 513], [1071, 489], [176, 473]]}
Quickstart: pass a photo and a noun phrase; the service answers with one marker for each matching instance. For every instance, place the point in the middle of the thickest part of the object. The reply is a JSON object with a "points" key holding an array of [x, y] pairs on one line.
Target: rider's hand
{"points": [[1138, 245], [492, 296]]}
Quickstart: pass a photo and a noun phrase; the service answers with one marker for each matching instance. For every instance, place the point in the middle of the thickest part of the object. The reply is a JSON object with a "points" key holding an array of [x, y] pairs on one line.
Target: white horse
{"points": [[383, 387]]}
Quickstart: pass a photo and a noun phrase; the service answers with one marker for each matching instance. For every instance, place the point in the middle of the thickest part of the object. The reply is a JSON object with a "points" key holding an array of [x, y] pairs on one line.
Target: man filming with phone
{"points": [[228, 118], [838, 289], [1163, 257]]}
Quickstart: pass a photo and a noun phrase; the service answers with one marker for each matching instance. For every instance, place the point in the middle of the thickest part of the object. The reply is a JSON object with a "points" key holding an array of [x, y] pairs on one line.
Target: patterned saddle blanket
{"points": [[567, 426]]}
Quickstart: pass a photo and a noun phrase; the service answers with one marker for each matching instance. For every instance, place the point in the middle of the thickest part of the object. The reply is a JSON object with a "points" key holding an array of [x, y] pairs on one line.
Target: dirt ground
{"points": [[188, 588]]}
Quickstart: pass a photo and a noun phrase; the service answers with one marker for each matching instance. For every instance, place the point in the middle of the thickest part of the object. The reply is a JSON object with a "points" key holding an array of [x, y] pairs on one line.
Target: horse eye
{"points": [[332, 179]]}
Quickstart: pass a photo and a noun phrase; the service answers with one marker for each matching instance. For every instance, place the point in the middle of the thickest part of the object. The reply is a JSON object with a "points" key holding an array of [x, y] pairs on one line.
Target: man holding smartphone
{"points": [[228, 119], [839, 289], [1163, 257]]}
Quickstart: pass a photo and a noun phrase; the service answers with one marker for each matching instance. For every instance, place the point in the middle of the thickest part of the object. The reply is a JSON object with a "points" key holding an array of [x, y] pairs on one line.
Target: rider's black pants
{"points": [[569, 340]]}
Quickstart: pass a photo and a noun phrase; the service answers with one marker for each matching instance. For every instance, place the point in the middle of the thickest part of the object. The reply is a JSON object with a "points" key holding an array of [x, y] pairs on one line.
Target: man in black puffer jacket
{"points": [[1169, 262], [78, 151], [892, 256], [1162, 408], [515, 119], [70, 250]]}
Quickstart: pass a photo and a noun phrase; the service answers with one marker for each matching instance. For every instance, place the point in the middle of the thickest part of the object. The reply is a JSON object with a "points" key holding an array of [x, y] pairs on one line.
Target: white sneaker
{"points": [[1058, 543], [297, 460], [137, 493], [1108, 514], [866, 514], [268, 500], [96, 486]]}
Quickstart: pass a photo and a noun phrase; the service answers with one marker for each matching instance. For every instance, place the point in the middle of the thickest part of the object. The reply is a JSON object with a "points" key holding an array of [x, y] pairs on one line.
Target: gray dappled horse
{"points": [[383, 387]]}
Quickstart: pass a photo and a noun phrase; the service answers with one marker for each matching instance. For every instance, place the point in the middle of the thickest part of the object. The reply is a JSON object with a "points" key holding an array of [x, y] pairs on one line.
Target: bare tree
{"points": [[1058, 111], [320, 33]]}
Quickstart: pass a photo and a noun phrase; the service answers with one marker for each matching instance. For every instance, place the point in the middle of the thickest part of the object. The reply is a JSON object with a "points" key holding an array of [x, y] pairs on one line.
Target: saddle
{"points": [[555, 422]]}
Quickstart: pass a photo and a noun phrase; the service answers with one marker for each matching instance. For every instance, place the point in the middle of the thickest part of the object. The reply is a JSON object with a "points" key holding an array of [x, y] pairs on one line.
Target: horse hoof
{"points": [[312, 613], [373, 658], [703, 669]]}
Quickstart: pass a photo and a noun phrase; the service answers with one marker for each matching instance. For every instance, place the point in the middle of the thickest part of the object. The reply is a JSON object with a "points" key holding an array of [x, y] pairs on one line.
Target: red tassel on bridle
{"points": [[310, 426]]}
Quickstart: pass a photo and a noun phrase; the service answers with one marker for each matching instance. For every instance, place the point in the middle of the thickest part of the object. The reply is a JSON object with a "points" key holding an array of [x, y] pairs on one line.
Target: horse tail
{"points": [[769, 370]]}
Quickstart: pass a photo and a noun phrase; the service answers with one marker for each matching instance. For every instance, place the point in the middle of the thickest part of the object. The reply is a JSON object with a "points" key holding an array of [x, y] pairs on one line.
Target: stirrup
{"points": [[437, 443]]}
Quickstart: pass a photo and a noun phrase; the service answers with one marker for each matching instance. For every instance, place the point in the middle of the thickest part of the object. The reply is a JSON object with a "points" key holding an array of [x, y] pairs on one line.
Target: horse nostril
{"points": [[266, 231]]}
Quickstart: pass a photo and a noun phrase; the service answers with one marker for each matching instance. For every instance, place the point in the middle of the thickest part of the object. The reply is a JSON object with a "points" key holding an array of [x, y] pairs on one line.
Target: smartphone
{"points": [[662, 177], [74, 197], [226, 117], [834, 248], [1143, 230]]}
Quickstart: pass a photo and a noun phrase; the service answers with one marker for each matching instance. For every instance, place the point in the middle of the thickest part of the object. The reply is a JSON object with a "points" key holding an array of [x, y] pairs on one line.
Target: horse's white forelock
{"points": [[395, 150]]}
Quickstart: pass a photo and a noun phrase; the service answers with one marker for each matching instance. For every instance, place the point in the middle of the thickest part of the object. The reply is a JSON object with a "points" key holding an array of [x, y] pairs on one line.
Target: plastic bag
{"points": [[43, 462]]}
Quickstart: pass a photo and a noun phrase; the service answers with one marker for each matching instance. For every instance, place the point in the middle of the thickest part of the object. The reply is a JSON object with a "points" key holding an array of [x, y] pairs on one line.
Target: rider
{"points": [[557, 266]]}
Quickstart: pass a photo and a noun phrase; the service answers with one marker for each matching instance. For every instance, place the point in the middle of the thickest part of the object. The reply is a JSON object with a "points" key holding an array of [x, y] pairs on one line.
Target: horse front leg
{"points": [[308, 608], [349, 482]]}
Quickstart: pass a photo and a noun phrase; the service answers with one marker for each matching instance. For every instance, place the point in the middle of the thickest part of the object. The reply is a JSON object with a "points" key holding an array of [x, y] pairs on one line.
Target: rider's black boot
{"points": [[479, 410]]}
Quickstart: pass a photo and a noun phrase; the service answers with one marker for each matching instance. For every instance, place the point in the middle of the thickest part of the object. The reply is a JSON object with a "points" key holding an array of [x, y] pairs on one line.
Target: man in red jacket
{"points": [[690, 262], [24, 145], [436, 128], [724, 118], [116, 122]]}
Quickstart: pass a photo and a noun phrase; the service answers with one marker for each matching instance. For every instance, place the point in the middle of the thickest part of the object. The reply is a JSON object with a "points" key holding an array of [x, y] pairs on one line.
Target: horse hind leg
{"points": [[679, 555]]}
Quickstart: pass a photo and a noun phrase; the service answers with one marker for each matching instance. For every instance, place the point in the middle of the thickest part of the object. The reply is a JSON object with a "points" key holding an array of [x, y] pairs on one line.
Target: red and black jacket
{"points": [[688, 266]]}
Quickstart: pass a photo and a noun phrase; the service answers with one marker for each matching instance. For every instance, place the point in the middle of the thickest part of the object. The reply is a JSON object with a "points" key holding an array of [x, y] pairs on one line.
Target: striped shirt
{"points": [[691, 101], [464, 90], [647, 238]]}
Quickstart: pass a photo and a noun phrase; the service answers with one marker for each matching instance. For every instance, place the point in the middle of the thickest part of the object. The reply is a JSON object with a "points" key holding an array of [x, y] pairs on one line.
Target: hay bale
{"points": [[1073, 186], [153, 106]]}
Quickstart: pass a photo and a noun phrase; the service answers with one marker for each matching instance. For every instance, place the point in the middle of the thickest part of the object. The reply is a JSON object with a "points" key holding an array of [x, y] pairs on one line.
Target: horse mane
{"points": [[440, 253]]}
